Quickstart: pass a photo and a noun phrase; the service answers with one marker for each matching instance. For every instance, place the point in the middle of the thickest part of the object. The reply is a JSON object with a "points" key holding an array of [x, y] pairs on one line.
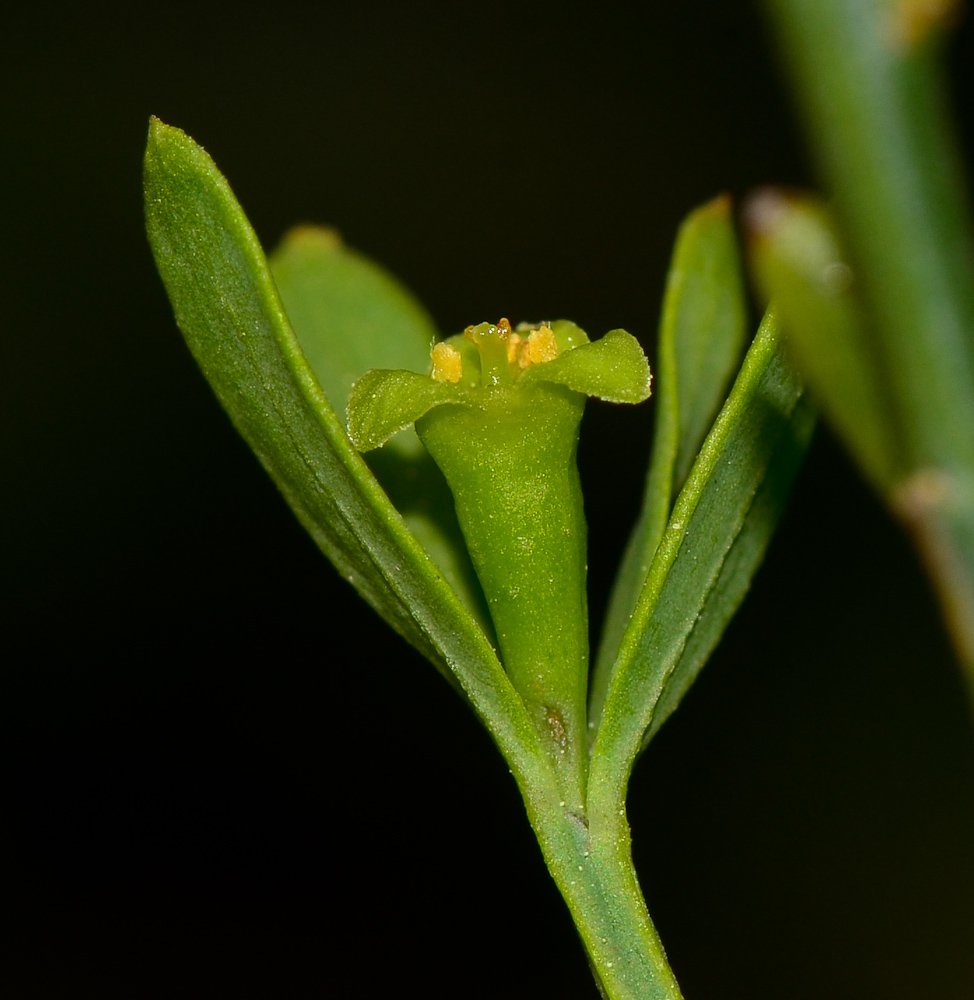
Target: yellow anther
{"points": [[447, 363], [540, 346]]}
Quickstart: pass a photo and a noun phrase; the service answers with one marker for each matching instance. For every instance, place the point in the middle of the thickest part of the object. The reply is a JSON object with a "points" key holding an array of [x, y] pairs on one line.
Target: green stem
{"points": [[590, 860]]}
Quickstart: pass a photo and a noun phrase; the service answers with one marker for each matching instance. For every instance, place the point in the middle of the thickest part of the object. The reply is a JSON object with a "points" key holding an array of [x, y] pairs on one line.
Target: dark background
{"points": [[221, 774]]}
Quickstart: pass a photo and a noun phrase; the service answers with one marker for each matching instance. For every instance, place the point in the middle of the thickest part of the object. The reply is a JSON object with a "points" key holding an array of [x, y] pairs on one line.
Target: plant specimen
{"points": [[286, 343], [448, 495]]}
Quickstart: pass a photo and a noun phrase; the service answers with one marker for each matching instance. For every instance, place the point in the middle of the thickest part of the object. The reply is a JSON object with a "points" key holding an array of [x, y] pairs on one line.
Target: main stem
{"points": [[590, 859]]}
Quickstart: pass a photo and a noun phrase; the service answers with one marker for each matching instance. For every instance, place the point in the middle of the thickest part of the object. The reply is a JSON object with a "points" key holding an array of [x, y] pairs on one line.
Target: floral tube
{"points": [[500, 414]]}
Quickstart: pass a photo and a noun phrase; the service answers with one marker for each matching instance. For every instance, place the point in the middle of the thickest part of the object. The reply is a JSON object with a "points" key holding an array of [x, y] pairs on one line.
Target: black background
{"points": [[222, 775]]}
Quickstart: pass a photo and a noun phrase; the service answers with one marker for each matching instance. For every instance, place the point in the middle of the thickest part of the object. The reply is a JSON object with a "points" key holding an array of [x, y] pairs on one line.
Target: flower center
{"points": [[504, 353]]}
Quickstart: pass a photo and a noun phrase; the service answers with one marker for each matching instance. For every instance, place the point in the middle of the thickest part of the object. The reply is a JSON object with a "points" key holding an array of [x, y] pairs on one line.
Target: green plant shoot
{"points": [[498, 409]]}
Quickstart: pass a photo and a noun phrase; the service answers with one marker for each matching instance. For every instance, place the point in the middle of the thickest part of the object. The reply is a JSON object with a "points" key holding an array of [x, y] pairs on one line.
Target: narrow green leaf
{"points": [[741, 563], [799, 264], [720, 525], [702, 331], [705, 320], [228, 308]]}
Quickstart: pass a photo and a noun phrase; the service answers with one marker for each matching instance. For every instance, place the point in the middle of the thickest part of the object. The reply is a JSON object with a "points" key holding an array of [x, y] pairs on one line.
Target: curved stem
{"points": [[590, 859]]}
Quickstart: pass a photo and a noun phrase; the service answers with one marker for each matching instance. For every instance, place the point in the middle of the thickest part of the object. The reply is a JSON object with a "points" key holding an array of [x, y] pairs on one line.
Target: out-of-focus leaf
{"points": [[870, 83], [349, 316], [799, 264], [348, 313], [879, 125]]}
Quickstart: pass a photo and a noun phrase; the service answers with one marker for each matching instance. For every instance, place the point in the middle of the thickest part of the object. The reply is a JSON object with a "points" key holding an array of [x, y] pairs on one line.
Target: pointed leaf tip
{"points": [[798, 261]]}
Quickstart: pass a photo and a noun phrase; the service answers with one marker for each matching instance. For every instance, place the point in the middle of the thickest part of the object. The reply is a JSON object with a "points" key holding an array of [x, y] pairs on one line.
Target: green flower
{"points": [[499, 413], [483, 366]]}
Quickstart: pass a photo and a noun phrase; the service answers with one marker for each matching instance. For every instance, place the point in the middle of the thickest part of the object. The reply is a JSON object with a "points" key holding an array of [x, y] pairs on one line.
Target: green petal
{"points": [[384, 402], [613, 368]]}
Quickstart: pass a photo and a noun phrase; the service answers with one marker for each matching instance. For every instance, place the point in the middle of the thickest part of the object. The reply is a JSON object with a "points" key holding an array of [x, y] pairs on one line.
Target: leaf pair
{"points": [[717, 484]]}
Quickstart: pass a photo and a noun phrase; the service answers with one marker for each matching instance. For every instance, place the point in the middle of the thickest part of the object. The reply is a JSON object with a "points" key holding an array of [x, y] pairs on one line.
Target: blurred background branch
{"points": [[869, 79]]}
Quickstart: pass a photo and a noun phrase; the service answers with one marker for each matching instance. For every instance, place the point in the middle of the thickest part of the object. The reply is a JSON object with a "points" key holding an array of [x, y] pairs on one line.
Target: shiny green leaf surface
{"points": [[714, 541], [702, 331]]}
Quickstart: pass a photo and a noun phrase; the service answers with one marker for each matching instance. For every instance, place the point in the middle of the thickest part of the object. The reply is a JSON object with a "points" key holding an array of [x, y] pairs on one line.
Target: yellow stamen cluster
{"points": [[529, 346], [540, 345]]}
